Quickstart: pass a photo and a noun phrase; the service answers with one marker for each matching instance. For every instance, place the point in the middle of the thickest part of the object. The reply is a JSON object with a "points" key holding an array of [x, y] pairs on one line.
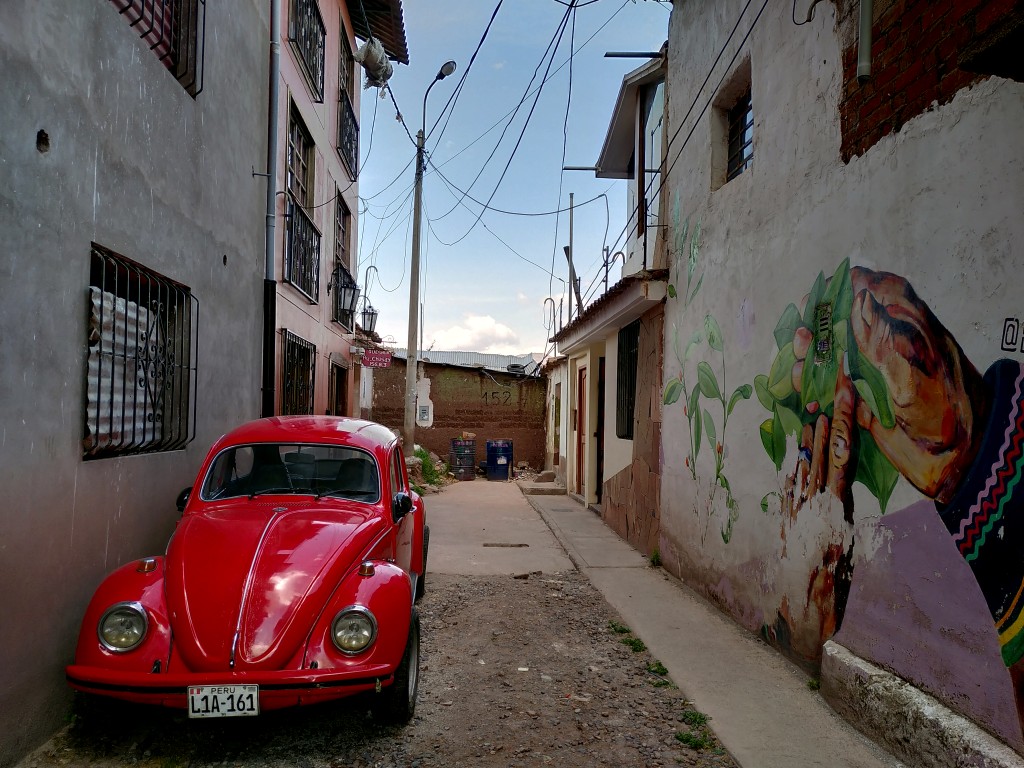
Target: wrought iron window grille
{"points": [[175, 31], [141, 372], [741, 136], [302, 252], [307, 34], [299, 160], [299, 373], [348, 136]]}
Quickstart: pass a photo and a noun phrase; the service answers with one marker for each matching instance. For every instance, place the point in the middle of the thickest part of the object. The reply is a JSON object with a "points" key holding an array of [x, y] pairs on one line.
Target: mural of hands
{"points": [[872, 386], [937, 394]]}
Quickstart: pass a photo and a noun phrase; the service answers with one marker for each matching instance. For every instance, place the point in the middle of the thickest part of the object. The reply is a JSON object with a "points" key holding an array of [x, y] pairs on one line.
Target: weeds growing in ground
{"points": [[695, 719], [655, 558], [696, 741], [814, 684], [620, 629], [657, 668], [635, 643], [431, 474]]}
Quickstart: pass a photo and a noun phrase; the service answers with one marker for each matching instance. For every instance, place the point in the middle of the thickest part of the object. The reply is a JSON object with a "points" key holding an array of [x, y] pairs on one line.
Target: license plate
{"points": [[223, 700]]}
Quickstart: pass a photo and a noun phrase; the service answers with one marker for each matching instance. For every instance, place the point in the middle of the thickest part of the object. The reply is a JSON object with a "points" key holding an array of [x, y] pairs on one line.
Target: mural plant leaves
{"points": [[874, 470], [741, 392], [671, 291], [695, 339], [700, 281], [814, 299], [692, 402], [774, 440], [709, 431], [708, 381], [714, 333], [791, 423], [785, 329], [673, 390], [780, 379], [871, 386], [696, 433], [763, 395]]}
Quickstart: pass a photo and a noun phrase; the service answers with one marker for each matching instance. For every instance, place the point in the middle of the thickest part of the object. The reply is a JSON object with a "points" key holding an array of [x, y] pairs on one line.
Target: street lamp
{"points": [[411, 360]]}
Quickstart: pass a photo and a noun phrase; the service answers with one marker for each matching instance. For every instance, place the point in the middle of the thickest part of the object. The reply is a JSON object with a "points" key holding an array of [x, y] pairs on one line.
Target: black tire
{"points": [[396, 704], [421, 581]]}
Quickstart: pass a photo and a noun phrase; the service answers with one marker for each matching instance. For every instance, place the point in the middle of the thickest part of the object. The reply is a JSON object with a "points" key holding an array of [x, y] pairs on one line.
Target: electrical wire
{"points": [[565, 142], [556, 41]]}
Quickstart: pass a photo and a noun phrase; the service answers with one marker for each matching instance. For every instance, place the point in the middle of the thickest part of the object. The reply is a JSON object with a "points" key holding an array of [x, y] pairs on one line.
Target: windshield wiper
{"points": [[261, 491]]}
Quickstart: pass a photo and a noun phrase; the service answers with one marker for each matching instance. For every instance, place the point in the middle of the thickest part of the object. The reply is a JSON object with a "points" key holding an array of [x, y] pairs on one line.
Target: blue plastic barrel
{"points": [[499, 459]]}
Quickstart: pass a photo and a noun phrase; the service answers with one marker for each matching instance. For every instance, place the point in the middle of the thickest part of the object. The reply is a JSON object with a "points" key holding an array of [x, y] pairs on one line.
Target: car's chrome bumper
{"points": [[277, 688]]}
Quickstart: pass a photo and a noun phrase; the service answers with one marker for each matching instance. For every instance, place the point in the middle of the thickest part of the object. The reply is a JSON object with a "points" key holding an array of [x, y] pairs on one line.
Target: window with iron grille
{"points": [[299, 375], [348, 126], [346, 65], [300, 159], [341, 279], [342, 223], [175, 31], [141, 373], [307, 34], [741, 136], [302, 252], [625, 384]]}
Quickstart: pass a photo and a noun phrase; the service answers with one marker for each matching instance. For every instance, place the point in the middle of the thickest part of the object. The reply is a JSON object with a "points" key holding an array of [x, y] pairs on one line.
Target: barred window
{"points": [[625, 392], [342, 224], [346, 65], [302, 252], [300, 160], [307, 34], [741, 136], [141, 373], [299, 375], [175, 31]]}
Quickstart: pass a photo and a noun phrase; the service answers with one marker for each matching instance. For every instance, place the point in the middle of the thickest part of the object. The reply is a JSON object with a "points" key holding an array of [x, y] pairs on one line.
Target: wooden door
{"points": [[581, 428]]}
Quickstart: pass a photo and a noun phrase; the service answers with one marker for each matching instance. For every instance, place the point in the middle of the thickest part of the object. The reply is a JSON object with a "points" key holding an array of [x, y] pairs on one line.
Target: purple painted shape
{"points": [[916, 610]]}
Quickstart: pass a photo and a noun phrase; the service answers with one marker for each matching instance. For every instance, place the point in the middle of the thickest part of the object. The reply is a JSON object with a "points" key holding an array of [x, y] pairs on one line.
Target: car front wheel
{"points": [[397, 703]]}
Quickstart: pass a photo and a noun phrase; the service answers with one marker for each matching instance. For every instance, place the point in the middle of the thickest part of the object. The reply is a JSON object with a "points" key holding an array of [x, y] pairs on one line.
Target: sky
{"points": [[485, 274]]}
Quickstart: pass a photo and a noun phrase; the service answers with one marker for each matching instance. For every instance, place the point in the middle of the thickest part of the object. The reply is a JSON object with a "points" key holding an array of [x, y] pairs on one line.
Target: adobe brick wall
{"points": [[492, 405], [916, 53], [631, 499]]}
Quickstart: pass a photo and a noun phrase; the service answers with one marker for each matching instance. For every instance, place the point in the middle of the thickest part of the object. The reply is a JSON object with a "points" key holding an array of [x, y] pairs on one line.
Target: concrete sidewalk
{"points": [[760, 705]]}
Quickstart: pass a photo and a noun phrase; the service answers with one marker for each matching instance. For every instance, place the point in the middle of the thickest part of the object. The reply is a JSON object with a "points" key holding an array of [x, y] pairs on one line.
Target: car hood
{"points": [[246, 580]]}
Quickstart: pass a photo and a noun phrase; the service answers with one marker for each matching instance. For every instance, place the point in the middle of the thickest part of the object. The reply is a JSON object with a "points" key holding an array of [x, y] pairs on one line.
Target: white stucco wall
{"points": [[939, 203]]}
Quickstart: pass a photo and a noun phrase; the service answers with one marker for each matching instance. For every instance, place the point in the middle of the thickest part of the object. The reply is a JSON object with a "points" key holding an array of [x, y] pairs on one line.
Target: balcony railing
{"points": [[307, 34], [302, 252], [348, 136]]}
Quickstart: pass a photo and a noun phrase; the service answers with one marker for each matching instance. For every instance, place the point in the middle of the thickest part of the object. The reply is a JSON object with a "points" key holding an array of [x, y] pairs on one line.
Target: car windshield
{"points": [[319, 470]]}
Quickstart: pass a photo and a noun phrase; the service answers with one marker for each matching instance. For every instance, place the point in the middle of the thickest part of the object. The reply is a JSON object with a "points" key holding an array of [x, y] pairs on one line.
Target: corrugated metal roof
{"points": [[386, 23], [476, 359]]}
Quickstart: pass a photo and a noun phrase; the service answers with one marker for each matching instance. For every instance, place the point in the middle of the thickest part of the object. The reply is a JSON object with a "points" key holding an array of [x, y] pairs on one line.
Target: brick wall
{"points": [[492, 405], [919, 55]]}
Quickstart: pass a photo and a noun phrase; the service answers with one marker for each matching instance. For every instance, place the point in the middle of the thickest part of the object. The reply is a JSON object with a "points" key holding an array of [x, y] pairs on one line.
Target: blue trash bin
{"points": [[499, 459]]}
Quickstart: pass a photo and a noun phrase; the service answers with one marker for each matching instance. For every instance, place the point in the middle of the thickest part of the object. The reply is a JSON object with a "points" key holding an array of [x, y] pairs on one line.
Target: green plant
{"points": [[657, 668], [695, 719], [431, 474], [696, 741], [655, 558], [635, 643], [814, 684], [620, 629]]}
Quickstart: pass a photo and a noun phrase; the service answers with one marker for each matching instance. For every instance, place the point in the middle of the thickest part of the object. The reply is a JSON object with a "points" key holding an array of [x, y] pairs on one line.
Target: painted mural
{"points": [[705, 400], [869, 387]]}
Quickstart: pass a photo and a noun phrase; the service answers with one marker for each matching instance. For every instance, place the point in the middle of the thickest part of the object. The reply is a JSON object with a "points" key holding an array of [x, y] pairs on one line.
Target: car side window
{"points": [[397, 476]]}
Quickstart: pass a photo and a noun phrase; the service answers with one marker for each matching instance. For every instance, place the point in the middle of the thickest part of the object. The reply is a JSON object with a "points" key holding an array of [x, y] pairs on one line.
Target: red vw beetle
{"points": [[290, 579]]}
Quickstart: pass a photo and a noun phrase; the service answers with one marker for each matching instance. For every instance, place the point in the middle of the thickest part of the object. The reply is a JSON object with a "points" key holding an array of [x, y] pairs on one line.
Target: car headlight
{"points": [[354, 629], [122, 627]]}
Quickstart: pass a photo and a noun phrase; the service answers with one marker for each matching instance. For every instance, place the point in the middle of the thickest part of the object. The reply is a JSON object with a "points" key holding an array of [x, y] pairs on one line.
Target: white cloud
{"points": [[478, 333], [522, 298], [499, 65]]}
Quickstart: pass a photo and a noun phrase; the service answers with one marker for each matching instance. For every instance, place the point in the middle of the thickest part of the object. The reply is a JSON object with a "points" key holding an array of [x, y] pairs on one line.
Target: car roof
{"points": [[333, 430]]}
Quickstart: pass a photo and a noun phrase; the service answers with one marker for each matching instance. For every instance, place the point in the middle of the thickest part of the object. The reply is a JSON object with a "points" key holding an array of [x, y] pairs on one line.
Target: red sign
{"points": [[376, 358]]}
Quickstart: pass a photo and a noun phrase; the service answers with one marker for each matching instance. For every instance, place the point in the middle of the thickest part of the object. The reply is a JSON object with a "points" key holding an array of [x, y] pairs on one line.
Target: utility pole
{"points": [[412, 356]]}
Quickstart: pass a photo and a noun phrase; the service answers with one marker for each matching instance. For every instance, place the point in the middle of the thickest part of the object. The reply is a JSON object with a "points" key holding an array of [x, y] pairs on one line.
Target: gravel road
{"points": [[516, 671]]}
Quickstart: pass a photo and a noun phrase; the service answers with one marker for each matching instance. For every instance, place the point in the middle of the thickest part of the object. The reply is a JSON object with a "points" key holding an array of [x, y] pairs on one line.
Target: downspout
{"points": [[864, 42], [269, 284]]}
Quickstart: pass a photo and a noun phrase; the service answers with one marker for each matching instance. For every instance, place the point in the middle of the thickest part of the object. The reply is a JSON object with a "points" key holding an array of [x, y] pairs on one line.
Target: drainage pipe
{"points": [[269, 284], [864, 42]]}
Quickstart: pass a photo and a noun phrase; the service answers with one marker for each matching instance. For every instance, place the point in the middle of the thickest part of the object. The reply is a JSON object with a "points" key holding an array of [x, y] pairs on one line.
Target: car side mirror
{"points": [[183, 498], [401, 505]]}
